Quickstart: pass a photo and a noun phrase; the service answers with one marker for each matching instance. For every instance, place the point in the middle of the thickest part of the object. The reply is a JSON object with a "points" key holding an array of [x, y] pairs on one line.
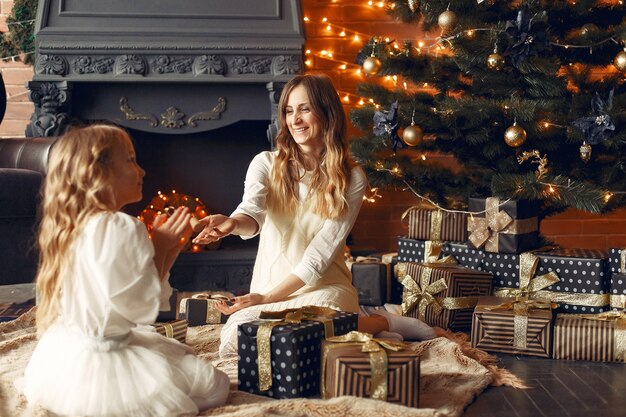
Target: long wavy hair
{"points": [[331, 177], [79, 184]]}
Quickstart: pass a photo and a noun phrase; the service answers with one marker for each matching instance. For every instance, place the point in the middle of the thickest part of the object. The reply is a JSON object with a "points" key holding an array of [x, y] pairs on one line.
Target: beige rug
{"points": [[450, 379]]}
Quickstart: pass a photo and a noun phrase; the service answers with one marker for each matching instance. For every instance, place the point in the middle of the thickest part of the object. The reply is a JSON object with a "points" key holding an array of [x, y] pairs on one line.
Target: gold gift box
{"points": [[176, 329]]}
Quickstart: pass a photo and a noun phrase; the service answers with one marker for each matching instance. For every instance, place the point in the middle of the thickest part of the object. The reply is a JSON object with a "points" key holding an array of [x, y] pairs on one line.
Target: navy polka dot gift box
{"points": [[294, 351]]}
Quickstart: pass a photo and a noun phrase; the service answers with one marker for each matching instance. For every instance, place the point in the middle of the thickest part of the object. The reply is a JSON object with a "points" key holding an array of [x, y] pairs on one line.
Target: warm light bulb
{"points": [[307, 62], [381, 4], [342, 33], [342, 66], [324, 19], [346, 98], [361, 102], [328, 28], [607, 196], [306, 19], [420, 44], [308, 51], [423, 157], [356, 38], [370, 3], [546, 124], [551, 188]]}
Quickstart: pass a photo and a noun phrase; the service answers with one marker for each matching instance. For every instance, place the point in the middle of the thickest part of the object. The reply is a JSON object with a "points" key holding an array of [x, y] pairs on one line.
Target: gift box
{"points": [[513, 326], [357, 364], [280, 358], [372, 280], [396, 289], [169, 315], [618, 291], [576, 279], [597, 337], [412, 250], [442, 295], [425, 224], [617, 260], [176, 329], [199, 309], [498, 226]]}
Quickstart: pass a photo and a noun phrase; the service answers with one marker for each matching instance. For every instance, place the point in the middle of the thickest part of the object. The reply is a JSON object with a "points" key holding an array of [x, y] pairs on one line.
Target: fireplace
{"points": [[196, 83]]}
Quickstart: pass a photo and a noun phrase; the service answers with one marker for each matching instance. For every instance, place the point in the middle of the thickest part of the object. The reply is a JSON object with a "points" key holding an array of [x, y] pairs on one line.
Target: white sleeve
{"points": [[254, 201], [330, 240], [124, 254]]}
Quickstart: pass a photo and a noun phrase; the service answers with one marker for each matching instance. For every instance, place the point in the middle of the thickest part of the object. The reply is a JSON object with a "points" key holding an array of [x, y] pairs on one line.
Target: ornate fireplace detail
{"points": [[195, 82]]}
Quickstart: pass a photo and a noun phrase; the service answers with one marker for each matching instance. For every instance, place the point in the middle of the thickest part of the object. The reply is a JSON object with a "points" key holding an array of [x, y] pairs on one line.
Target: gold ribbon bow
{"points": [[521, 307], [377, 355], [484, 231], [528, 286], [323, 315], [619, 335], [422, 294]]}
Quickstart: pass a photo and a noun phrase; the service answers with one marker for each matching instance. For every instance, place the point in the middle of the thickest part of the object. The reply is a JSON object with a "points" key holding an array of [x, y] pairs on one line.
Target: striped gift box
{"points": [[436, 225], [348, 372], [494, 330], [589, 338], [176, 329], [458, 299]]}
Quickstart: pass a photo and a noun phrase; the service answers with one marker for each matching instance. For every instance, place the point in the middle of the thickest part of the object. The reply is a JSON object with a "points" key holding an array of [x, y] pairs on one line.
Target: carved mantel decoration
{"points": [[168, 62]]}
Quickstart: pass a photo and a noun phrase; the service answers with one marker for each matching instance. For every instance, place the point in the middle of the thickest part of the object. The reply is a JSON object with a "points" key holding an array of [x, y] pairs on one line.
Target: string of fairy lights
{"points": [[428, 44]]}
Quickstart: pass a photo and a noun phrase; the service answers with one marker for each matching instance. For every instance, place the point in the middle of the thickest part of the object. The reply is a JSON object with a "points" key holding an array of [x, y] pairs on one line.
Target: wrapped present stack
{"points": [[279, 355], [543, 296]]}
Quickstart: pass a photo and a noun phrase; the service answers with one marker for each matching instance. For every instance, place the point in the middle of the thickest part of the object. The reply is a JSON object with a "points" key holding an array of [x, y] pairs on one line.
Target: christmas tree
{"points": [[527, 98]]}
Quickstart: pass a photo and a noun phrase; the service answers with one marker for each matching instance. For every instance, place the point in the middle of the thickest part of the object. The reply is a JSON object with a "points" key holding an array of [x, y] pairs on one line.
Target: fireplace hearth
{"points": [[196, 83]]}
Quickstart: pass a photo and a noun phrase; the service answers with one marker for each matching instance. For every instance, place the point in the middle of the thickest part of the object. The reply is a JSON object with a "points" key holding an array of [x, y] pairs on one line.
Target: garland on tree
{"points": [[19, 41], [496, 80]]}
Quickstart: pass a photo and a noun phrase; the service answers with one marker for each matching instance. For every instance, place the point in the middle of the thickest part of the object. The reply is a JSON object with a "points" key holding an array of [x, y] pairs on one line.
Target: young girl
{"points": [[303, 199], [101, 281]]}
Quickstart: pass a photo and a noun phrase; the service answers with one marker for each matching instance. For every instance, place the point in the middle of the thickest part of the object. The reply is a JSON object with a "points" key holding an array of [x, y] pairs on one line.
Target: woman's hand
{"points": [[216, 226], [171, 232], [243, 301]]}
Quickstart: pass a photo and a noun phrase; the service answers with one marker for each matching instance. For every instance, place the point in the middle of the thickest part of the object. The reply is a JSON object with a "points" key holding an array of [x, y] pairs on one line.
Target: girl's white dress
{"points": [[101, 357], [304, 244]]}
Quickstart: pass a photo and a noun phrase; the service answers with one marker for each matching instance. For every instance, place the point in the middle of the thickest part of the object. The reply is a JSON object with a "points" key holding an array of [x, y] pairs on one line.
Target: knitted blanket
{"points": [[452, 374]]}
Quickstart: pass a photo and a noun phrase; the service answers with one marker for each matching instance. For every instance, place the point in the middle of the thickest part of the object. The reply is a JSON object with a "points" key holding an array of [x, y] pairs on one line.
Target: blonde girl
{"points": [[101, 282]]}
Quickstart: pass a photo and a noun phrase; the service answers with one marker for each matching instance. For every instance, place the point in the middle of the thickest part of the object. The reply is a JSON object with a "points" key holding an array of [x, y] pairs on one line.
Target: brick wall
{"points": [[14, 74], [379, 223]]}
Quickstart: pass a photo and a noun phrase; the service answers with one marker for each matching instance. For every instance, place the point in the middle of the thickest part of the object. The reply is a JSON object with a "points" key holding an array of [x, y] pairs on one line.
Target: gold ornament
{"points": [[495, 61], [447, 21], [515, 135], [413, 4], [585, 152], [371, 65], [412, 135], [620, 60], [589, 30]]}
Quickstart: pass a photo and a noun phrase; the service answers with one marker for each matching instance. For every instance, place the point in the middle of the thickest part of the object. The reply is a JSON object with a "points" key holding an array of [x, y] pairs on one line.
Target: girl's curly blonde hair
{"points": [[79, 183]]}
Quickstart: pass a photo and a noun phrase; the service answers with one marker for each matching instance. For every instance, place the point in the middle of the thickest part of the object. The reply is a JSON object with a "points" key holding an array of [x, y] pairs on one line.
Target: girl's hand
{"points": [[172, 232], [216, 226], [243, 301]]}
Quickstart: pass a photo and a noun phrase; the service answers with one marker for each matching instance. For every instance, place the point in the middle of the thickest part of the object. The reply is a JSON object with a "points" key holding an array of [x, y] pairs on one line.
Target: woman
{"points": [[303, 199]]}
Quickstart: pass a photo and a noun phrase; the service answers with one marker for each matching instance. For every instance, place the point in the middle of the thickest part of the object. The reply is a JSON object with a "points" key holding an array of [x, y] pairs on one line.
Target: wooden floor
{"points": [[559, 388]]}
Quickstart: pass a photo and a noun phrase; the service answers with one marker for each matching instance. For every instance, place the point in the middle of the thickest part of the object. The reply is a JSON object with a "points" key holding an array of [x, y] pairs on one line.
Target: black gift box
{"points": [[582, 272], [170, 314], [372, 280], [201, 311], [412, 250], [615, 260], [618, 291], [520, 235], [295, 356]]}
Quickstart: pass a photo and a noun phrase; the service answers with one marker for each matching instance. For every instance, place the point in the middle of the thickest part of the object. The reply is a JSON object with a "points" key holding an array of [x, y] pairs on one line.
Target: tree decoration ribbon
{"points": [[386, 123], [619, 335], [521, 307], [212, 315], [322, 315], [376, 348], [533, 287], [596, 128], [528, 35], [485, 231]]}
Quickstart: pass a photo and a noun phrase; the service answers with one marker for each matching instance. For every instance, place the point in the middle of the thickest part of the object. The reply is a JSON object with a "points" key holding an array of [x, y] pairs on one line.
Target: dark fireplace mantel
{"points": [[196, 83], [162, 66]]}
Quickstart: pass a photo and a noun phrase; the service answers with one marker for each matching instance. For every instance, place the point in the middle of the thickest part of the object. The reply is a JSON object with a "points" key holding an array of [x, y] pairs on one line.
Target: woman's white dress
{"points": [[304, 244], [101, 357]]}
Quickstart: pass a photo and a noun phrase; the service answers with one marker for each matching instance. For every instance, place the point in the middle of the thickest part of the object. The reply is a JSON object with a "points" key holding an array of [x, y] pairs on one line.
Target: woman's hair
{"points": [[79, 183], [331, 177]]}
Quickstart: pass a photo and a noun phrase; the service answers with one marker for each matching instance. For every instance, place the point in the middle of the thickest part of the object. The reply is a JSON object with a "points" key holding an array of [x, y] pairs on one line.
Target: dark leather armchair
{"points": [[23, 163]]}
